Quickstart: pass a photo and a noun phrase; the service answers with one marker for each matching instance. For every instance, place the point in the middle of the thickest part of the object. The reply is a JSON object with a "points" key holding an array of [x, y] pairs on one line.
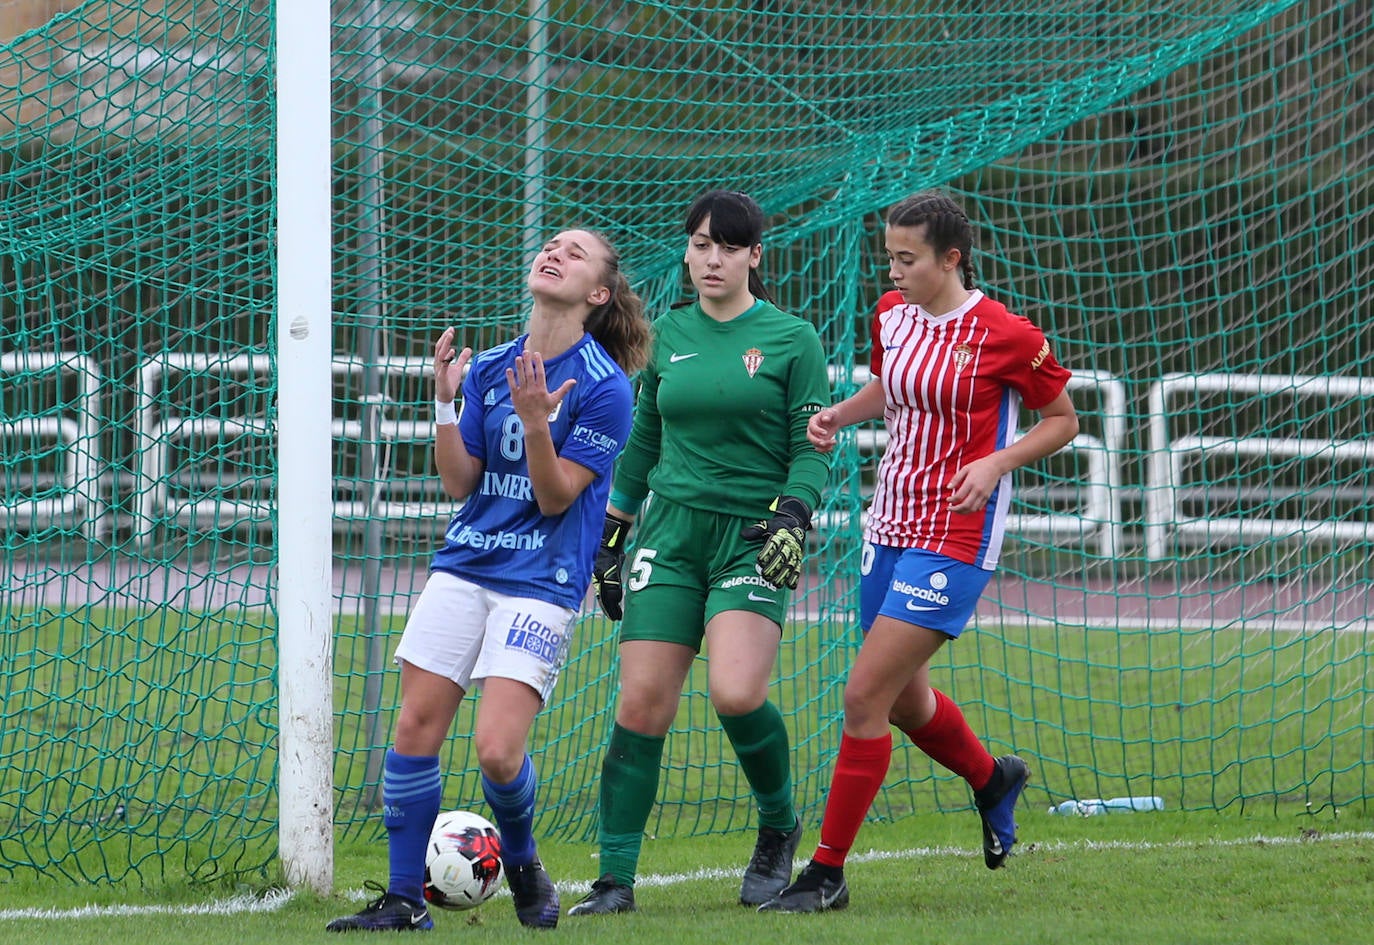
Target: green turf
{"points": [[1152, 879], [1216, 719]]}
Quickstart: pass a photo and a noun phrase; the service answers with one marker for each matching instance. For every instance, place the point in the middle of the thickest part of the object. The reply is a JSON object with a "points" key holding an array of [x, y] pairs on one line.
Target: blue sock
{"points": [[512, 805], [411, 791]]}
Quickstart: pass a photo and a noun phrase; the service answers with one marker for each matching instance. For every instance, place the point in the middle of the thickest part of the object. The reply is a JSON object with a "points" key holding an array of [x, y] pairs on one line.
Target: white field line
{"points": [[270, 901], [276, 899], [917, 853]]}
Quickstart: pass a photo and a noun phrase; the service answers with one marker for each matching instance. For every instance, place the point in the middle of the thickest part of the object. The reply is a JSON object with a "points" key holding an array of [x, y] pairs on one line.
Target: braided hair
{"points": [[947, 226]]}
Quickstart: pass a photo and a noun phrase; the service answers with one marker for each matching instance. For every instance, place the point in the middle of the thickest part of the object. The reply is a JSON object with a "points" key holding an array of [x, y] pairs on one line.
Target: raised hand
{"points": [[529, 390], [448, 367]]}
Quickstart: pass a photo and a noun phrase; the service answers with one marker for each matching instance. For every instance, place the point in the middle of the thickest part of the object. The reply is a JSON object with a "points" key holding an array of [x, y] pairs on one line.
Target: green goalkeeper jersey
{"points": [[720, 420]]}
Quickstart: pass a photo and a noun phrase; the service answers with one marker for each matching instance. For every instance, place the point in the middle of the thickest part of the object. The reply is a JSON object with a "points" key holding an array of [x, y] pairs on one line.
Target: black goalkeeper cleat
{"points": [[997, 809], [536, 898], [770, 868], [817, 889], [608, 896], [387, 913]]}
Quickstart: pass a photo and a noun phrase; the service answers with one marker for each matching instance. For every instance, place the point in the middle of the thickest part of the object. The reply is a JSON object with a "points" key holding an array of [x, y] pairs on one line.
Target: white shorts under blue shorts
{"points": [[919, 587], [468, 633]]}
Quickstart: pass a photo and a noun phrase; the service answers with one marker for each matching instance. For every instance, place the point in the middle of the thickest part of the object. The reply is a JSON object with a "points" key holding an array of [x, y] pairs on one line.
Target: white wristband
{"points": [[445, 414]]}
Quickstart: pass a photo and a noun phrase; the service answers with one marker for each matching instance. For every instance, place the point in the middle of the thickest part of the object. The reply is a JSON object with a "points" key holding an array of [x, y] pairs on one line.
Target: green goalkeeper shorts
{"points": [[687, 565]]}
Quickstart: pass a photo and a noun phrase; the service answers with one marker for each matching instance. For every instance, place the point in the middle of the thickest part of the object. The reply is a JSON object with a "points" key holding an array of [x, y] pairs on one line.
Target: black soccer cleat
{"points": [[817, 889], [387, 913], [536, 898], [770, 868], [997, 809], [608, 896]]}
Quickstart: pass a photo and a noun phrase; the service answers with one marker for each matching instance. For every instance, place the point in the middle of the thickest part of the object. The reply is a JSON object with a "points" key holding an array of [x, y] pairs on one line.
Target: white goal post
{"points": [[304, 339]]}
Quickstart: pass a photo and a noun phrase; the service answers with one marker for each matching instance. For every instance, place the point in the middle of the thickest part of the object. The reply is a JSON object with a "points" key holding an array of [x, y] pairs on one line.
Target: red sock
{"points": [[948, 739], [859, 772]]}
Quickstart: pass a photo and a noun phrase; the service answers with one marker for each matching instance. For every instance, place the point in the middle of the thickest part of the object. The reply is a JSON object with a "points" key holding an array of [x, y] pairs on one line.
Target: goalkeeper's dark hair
{"points": [[736, 220], [947, 226], [619, 324]]}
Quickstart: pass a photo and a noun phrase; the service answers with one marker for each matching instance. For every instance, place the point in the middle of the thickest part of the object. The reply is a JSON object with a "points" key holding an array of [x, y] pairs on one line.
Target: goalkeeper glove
{"points": [[610, 558], [784, 541]]}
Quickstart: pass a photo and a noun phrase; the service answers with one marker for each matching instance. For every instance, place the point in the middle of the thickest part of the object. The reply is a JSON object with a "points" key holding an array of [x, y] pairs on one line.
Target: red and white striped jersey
{"points": [[954, 385]]}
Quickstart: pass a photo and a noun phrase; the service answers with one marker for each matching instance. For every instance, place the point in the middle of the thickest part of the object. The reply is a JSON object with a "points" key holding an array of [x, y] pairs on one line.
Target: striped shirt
{"points": [[954, 384]]}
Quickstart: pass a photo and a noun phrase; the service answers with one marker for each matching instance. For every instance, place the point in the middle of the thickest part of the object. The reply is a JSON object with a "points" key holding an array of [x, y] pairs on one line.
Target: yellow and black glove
{"points": [[610, 559], [784, 541]]}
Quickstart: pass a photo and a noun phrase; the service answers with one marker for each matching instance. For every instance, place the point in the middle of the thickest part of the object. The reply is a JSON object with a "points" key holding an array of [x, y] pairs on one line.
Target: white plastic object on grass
{"points": [[1096, 805]]}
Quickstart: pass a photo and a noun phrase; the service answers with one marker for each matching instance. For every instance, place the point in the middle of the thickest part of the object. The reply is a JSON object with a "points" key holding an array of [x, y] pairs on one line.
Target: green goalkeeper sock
{"points": [[629, 787], [760, 742]]}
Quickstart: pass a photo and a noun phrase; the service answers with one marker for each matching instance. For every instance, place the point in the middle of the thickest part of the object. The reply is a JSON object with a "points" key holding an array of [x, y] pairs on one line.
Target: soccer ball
{"points": [[463, 861]]}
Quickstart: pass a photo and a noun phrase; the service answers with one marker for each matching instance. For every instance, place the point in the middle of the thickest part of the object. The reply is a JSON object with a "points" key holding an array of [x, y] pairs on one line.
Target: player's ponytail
{"points": [[947, 226], [618, 324], [756, 287]]}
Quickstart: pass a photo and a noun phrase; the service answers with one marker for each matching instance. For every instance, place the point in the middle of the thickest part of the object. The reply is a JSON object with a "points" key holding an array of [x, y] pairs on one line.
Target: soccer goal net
{"points": [[1178, 193]]}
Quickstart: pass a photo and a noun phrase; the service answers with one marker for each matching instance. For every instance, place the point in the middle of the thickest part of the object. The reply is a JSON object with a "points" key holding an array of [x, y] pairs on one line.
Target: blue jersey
{"points": [[499, 539]]}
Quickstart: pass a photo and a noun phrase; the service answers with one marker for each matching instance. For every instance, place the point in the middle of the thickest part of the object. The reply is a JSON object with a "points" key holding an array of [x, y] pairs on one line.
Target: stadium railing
{"points": [[1238, 509], [1262, 502], [36, 495], [166, 495]]}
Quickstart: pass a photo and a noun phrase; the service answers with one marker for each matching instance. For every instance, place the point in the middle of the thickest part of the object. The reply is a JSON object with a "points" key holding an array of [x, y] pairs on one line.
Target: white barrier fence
{"points": [[73, 493], [1091, 514], [165, 497], [1165, 514]]}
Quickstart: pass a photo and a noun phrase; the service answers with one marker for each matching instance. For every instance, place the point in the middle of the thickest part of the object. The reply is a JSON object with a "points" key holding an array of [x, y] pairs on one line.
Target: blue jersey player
{"points": [[543, 418]]}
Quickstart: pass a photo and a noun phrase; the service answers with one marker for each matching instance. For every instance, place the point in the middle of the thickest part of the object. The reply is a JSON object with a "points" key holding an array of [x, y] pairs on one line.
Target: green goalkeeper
{"points": [[719, 438]]}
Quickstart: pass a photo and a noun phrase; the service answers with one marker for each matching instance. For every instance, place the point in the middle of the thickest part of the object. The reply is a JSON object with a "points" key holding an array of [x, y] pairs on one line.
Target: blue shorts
{"points": [[918, 587]]}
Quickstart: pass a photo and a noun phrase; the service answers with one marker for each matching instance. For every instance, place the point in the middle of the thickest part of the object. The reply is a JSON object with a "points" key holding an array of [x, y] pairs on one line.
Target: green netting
{"points": [[1178, 193]]}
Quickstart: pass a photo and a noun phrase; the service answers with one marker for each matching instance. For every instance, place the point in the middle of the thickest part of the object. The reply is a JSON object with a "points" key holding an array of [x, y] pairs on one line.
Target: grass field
{"points": [[174, 722], [1153, 879]]}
